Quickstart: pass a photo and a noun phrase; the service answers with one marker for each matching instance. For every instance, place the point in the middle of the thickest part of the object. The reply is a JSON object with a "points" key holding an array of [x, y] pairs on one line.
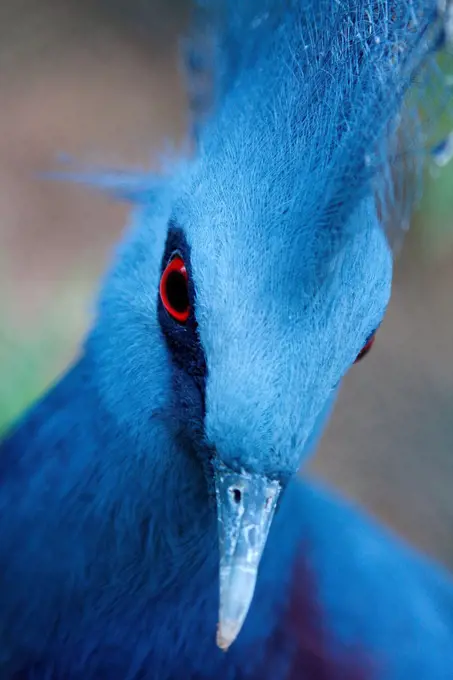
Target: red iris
{"points": [[174, 291]]}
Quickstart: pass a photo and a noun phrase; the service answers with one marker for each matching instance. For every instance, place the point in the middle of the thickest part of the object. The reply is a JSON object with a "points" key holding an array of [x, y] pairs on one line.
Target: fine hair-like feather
{"points": [[338, 87], [335, 90]]}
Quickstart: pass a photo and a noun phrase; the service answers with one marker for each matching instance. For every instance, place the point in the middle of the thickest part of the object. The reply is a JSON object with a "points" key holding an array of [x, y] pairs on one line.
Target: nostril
{"points": [[236, 495]]}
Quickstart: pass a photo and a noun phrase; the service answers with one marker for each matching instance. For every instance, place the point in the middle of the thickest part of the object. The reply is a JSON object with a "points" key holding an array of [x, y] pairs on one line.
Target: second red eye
{"points": [[174, 291], [366, 348]]}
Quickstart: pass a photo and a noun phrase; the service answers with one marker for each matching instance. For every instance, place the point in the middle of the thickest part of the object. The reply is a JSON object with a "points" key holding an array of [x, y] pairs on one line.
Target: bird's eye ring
{"points": [[174, 291], [367, 346]]}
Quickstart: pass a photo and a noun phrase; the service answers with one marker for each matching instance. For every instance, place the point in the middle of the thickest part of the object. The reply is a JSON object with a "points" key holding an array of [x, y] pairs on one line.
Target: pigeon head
{"points": [[259, 272]]}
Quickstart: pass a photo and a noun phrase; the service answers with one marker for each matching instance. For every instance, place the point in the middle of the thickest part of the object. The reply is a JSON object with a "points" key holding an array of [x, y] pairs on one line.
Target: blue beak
{"points": [[245, 508]]}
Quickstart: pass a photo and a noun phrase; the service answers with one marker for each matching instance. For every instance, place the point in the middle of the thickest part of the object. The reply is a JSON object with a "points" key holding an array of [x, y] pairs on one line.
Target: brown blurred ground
{"points": [[80, 78]]}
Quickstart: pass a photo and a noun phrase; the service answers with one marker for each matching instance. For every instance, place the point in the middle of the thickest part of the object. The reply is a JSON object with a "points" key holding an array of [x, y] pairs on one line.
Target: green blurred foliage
{"points": [[24, 367], [434, 220], [31, 356]]}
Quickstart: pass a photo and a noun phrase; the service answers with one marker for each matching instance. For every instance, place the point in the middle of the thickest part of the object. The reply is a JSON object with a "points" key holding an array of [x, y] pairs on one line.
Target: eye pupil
{"points": [[174, 291]]}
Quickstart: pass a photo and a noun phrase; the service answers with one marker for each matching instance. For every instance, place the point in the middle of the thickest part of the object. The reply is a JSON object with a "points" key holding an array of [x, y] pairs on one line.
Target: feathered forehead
{"points": [[316, 89], [316, 104]]}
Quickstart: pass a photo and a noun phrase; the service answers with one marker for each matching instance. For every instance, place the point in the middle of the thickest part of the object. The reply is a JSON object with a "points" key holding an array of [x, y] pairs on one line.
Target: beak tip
{"points": [[226, 635]]}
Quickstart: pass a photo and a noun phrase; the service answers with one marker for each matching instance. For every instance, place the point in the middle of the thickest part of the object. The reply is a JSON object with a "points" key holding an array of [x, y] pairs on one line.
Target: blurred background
{"points": [[99, 79]]}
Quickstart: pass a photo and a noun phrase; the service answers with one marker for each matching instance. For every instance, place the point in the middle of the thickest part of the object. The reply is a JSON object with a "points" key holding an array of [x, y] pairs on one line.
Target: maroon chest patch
{"points": [[302, 647]]}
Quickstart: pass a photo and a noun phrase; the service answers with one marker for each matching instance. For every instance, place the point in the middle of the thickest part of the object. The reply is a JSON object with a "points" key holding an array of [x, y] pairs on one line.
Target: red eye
{"points": [[173, 290], [366, 348]]}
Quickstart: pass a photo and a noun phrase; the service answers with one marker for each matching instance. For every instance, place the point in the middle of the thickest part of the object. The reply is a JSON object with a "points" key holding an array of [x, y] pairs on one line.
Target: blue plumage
{"points": [[109, 541]]}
